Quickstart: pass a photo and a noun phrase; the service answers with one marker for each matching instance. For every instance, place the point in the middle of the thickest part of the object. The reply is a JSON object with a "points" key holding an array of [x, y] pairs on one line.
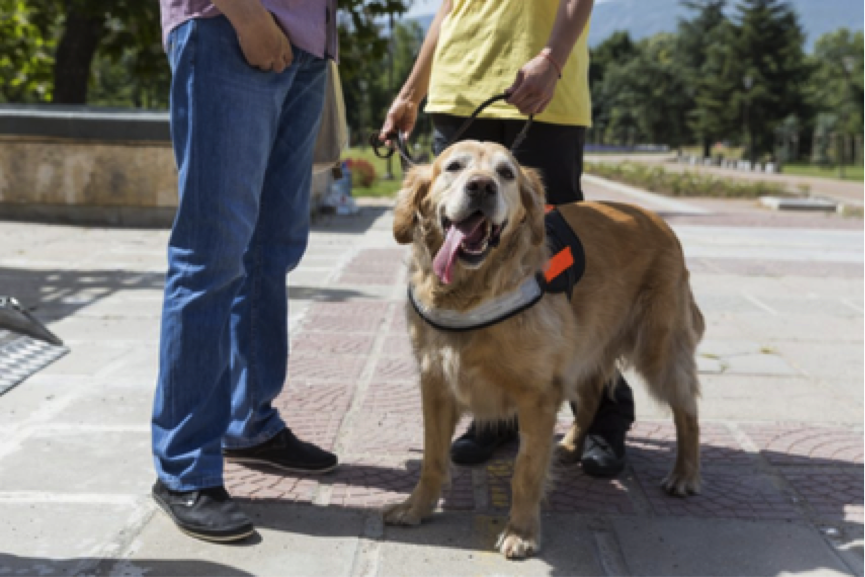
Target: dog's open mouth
{"points": [[470, 239]]}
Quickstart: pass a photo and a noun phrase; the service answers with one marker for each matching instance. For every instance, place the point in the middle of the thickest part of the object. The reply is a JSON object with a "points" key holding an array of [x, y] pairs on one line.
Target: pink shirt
{"points": [[309, 24]]}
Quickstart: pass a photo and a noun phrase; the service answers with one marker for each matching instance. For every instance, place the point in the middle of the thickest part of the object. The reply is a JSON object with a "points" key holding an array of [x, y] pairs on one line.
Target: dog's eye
{"points": [[505, 172], [454, 166]]}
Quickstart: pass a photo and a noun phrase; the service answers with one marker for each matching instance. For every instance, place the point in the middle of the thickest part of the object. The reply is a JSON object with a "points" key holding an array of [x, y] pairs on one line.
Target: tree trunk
{"points": [[75, 55], [707, 148]]}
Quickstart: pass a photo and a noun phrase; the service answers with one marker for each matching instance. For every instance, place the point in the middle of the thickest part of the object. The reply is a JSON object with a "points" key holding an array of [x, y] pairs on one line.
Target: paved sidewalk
{"points": [[782, 418], [846, 192]]}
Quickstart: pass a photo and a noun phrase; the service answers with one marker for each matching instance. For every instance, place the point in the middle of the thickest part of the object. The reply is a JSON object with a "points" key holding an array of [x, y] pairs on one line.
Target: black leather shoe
{"points": [[603, 458], [285, 452], [478, 444], [208, 514]]}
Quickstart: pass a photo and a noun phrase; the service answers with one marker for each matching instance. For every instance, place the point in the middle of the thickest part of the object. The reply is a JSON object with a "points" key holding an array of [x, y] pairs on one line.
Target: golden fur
{"points": [[633, 305]]}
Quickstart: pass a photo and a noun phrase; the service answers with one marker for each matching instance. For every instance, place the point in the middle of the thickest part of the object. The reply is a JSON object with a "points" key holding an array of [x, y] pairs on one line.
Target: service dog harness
{"points": [[563, 272]]}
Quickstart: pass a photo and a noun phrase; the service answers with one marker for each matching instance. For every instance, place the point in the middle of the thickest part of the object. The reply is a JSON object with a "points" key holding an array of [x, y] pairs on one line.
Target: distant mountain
{"points": [[643, 18]]}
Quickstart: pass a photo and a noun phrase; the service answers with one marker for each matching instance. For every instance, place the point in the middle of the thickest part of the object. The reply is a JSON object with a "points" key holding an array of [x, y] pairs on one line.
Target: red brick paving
{"points": [[372, 415]]}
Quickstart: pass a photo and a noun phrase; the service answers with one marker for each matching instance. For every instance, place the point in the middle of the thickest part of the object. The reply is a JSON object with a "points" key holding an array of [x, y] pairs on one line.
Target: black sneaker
{"points": [[478, 444], [208, 514], [285, 452], [603, 458]]}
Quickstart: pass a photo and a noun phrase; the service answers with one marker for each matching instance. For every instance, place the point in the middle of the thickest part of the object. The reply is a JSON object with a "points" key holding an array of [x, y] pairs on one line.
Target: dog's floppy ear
{"points": [[532, 195], [405, 214]]}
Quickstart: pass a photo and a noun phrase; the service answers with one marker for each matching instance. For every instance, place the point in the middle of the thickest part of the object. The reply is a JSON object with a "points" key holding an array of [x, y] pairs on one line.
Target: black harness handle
{"points": [[402, 146]]}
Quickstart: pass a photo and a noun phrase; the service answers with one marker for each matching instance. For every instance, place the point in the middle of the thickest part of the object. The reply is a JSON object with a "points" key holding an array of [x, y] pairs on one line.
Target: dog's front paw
{"points": [[515, 544], [681, 484], [402, 514]]}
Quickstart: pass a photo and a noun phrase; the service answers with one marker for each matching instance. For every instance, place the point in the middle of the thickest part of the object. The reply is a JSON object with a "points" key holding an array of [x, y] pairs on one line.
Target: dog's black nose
{"points": [[481, 186]]}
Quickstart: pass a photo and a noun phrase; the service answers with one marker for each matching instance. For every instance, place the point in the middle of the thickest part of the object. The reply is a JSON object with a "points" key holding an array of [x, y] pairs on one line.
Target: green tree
{"points": [[835, 87], [646, 94], [615, 51], [27, 45], [694, 39], [61, 50], [768, 69]]}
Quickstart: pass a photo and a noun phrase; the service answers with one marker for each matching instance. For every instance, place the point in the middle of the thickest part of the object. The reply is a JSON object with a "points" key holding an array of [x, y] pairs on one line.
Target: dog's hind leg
{"points": [[522, 535], [684, 479], [570, 448], [439, 419]]}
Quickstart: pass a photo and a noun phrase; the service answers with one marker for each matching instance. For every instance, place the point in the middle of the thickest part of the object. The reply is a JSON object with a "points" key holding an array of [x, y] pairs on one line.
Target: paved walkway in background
{"points": [[782, 418], [849, 193]]}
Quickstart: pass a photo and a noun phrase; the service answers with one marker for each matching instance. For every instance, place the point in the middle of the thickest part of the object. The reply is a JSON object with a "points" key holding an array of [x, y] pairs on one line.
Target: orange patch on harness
{"points": [[560, 262]]}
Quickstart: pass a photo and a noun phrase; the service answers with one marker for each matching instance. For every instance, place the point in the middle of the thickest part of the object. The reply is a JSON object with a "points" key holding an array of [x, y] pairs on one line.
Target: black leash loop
{"points": [[468, 122], [381, 150]]}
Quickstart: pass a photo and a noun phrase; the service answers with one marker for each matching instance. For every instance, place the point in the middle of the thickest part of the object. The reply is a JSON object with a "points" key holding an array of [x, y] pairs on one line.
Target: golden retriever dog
{"points": [[475, 220]]}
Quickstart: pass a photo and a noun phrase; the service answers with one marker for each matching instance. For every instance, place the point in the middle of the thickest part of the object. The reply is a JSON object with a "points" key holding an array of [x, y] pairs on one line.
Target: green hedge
{"points": [[687, 183]]}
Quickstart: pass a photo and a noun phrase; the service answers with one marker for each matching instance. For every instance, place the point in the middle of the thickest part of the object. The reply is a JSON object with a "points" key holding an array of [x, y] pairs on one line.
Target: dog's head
{"points": [[473, 201]]}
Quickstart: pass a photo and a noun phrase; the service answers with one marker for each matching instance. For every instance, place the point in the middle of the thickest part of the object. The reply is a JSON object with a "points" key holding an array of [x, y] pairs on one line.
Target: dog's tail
{"points": [[697, 320]]}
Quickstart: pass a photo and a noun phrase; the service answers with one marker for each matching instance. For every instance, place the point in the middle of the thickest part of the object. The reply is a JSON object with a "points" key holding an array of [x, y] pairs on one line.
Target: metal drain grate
{"points": [[22, 356]]}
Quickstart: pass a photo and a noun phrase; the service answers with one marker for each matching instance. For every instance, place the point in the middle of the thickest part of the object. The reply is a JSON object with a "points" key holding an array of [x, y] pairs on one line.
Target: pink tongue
{"points": [[447, 254]]}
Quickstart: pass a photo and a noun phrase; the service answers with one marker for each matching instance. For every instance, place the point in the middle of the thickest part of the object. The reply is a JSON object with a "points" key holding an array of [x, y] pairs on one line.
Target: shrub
{"points": [[362, 172], [687, 183]]}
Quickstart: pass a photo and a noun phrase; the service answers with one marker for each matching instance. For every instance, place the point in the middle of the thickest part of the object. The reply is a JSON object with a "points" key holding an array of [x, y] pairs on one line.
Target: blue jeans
{"points": [[243, 141]]}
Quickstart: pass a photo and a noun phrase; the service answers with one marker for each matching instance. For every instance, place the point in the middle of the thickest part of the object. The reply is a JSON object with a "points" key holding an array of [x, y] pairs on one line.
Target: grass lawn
{"points": [[850, 172], [381, 187]]}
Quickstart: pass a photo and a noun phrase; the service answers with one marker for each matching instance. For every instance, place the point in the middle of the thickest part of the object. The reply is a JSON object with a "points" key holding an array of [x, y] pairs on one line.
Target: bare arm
{"points": [[403, 112], [535, 84], [263, 42]]}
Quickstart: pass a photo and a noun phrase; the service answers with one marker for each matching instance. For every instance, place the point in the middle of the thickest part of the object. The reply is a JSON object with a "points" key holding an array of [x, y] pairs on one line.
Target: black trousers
{"points": [[557, 151]]}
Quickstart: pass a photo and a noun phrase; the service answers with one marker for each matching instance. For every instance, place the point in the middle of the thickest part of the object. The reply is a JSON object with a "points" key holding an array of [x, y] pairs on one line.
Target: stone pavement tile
{"points": [[56, 538], [463, 545], [801, 327], [370, 482], [252, 482], [690, 547], [395, 434], [396, 369], [109, 405], [106, 329], [399, 345], [394, 397], [572, 491], [652, 443], [726, 493], [806, 444], [325, 368], [773, 268], [291, 540], [758, 363], [64, 460], [332, 344], [832, 495], [374, 309], [319, 323], [39, 393], [315, 410], [768, 398], [811, 305], [824, 360]]}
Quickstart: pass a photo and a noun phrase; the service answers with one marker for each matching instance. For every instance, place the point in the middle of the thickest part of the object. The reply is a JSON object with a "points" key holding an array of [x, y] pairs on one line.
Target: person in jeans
{"points": [[535, 51], [248, 82]]}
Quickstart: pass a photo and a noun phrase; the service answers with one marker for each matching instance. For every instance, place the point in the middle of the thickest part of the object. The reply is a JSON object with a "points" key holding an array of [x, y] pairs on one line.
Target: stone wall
{"points": [[75, 181], [80, 165]]}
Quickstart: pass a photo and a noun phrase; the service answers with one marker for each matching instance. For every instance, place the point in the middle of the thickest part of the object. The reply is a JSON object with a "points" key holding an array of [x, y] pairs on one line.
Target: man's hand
{"points": [[534, 86], [264, 44], [401, 117]]}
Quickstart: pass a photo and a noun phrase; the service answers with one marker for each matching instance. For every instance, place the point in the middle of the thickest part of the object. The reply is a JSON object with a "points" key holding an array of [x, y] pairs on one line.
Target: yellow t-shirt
{"points": [[483, 44]]}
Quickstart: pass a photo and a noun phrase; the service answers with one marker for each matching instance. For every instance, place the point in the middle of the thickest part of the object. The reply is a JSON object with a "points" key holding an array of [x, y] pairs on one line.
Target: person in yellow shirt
{"points": [[536, 51]]}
